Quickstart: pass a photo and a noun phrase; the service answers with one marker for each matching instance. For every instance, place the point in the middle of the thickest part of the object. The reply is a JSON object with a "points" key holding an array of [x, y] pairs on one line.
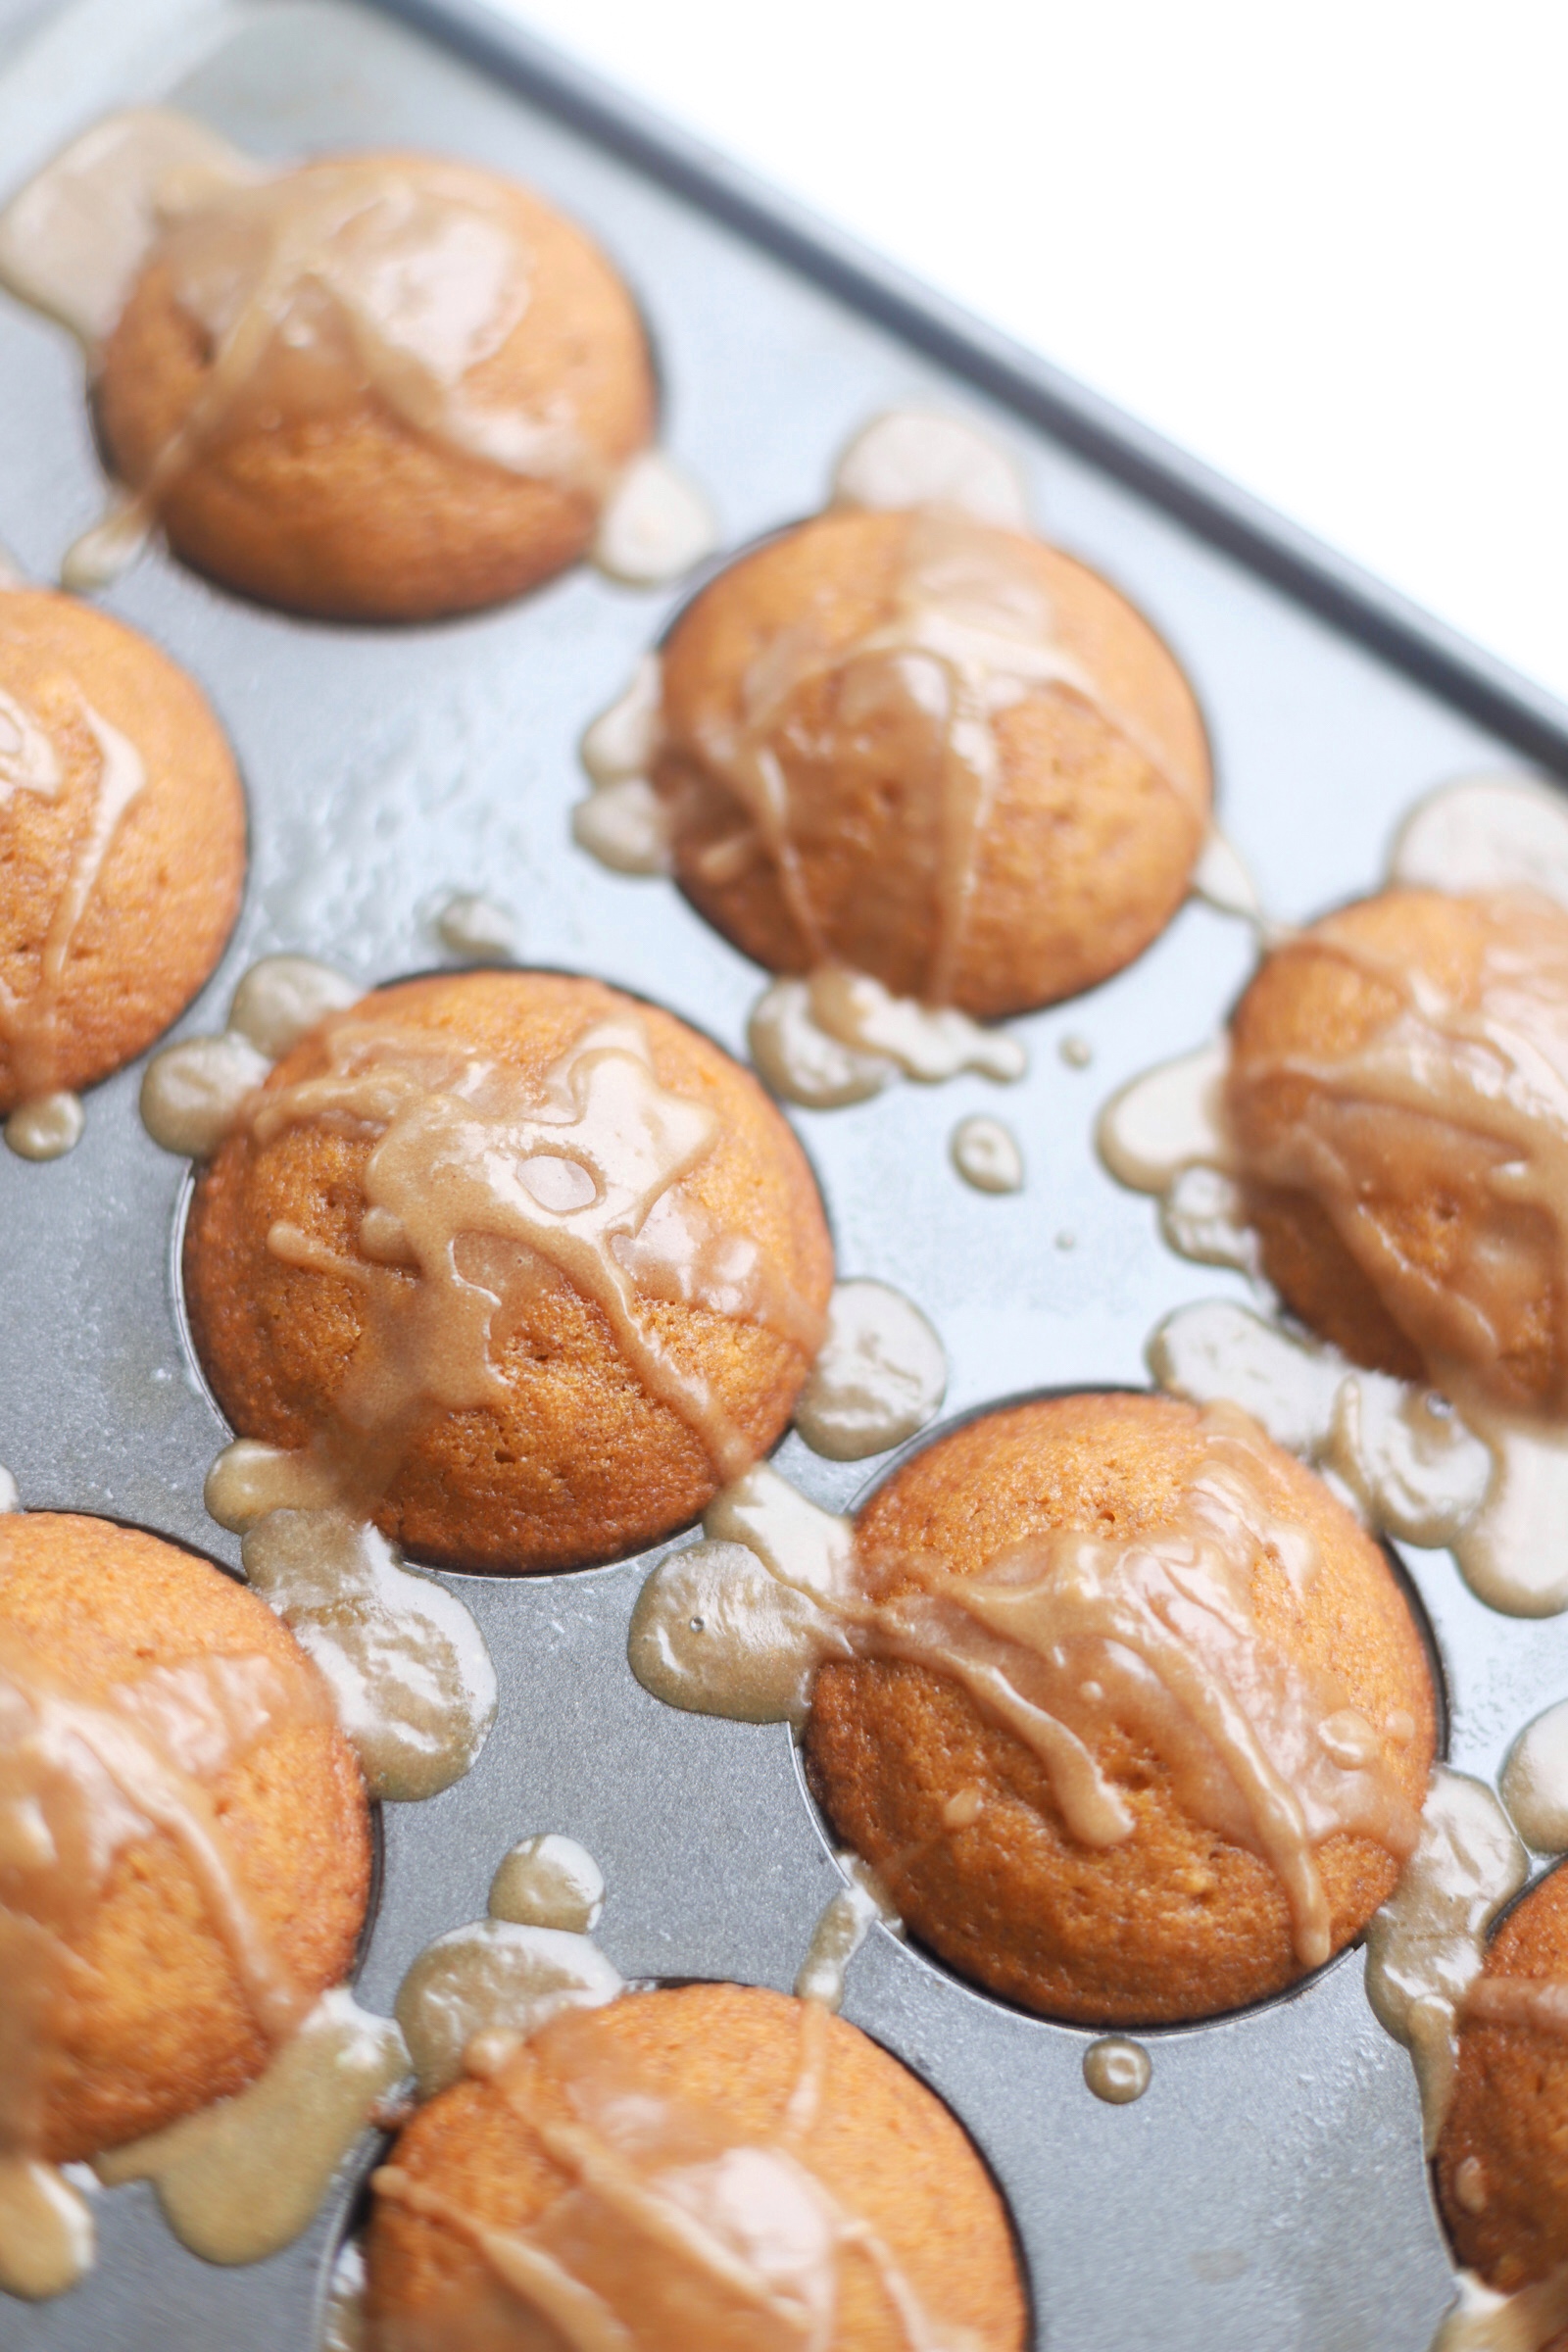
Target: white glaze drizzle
{"points": [[549, 1882], [1270, 1758], [668, 2213], [408, 1667], [1485, 833], [478, 929], [985, 1151], [846, 1918], [1491, 1486], [1222, 880], [345, 2323], [1534, 1781], [496, 1975], [47, 2241], [881, 1033], [584, 1172], [1116, 2070], [240, 2179], [193, 1094], [402, 278], [879, 1375], [47, 1122], [1482, 2320], [914, 457], [1425, 1947], [10, 1495], [655, 525]]}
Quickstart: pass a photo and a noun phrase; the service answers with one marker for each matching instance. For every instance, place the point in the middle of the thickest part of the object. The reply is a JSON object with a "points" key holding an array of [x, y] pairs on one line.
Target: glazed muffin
{"points": [[121, 844], [378, 387], [933, 750], [1164, 1570], [1502, 2161], [524, 1267], [1397, 1110], [859, 2174], [184, 1839]]}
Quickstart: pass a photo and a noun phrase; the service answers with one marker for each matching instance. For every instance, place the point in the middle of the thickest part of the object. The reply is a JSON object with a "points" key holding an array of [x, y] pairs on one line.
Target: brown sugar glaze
{"points": [[397, 276], [1169, 1656], [122, 845], [1500, 2164], [677, 2217], [1158, 1636], [1405, 1132], [80, 1783], [486, 1191], [960, 655], [30, 761]]}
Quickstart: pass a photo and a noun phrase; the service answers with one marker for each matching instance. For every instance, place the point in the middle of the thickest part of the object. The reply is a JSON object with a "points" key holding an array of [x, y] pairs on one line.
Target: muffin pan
{"points": [[1268, 2188]]}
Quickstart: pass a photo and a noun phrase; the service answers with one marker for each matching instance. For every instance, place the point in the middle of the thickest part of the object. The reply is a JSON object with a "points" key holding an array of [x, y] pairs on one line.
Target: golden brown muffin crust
{"points": [[351, 515], [1510, 2113], [882, 2144], [1088, 849], [580, 1463], [168, 890], [1175, 1923], [1428, 1203], [155, 2022]]}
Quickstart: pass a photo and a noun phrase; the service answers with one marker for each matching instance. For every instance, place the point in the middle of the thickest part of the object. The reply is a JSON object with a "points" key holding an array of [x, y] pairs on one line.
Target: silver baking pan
{"points": [[1268, 2192]]}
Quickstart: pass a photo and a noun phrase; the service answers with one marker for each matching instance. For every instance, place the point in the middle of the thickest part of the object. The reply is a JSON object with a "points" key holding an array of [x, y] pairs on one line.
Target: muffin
{"points": [[595, 2148], [1398, 1110], [933, 750], [526, 1268], [121, 844], [1112, 1512], [379, 387], [1502, 2161], [184, 1840]]}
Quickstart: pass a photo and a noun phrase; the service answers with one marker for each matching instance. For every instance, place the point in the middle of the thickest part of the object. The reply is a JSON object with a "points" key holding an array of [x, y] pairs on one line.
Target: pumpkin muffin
{"points": [[1502, 2161], [121, 844], [1179, 1915], [184, 1839], [523, 1267], [825, 2140], [1397, 1110], [933, 750], [378, 387]]}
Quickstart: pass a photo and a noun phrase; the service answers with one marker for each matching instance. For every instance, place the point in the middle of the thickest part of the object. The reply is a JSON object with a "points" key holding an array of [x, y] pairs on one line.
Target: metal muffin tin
{"points": [[1267, 2193]]}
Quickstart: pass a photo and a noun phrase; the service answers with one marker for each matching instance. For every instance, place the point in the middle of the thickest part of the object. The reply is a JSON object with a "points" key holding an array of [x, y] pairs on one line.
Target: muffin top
{"points": [[1141, 1722], [184, 1842], [710, 2166], [519, 1265], [121, 844], [1397, 1110], [931, 750], [1502, 2161], [383, 385]]}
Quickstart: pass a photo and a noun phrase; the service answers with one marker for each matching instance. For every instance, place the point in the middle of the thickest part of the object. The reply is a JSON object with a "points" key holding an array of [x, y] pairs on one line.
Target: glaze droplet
{"points": [[1116, 2070], [986, 1154], [46, 1129]]}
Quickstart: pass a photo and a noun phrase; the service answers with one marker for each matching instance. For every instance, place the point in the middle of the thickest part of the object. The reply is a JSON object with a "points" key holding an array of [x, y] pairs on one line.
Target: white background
{"points": [[1322, 246]]}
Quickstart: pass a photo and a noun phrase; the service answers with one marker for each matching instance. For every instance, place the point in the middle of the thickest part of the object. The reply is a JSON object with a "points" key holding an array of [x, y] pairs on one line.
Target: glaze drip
{"points": [[1469, 1087], [79, 1784], [480, 1187], [670, 2228], [351, 276], [1425, 1947], [970, 634], [240, 2179], [1054, 1641], [33, 759]]}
